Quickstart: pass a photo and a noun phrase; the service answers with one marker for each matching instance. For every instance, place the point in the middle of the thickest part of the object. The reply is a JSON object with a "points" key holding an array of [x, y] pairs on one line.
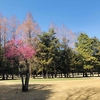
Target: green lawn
{"points": [[49, 80]]}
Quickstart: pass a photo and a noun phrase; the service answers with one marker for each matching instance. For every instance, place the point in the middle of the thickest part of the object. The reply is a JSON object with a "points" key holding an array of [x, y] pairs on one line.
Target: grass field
{"points": [[52, 89]]}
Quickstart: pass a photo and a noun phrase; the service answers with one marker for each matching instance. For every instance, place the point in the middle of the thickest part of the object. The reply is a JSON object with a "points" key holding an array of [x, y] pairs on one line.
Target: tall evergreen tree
{"points": [[84, 48], [96, 54], [48, 47]]}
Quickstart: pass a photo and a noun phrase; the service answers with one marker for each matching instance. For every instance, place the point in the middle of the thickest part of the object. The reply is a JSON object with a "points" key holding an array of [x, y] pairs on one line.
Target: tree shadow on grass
{"points": [[84, 94], [36, 92]]}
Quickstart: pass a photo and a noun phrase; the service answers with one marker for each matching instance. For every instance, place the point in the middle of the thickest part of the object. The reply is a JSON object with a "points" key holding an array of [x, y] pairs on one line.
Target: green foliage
{"points": [[84, 45], [47, 48], [96, 53], [88, 67], [89, 48]]}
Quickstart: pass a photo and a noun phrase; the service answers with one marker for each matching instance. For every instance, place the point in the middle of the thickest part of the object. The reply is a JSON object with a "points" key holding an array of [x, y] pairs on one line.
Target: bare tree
{"points": [[13, 28], [29, 29], [69, 35], [1, 20], [64, 34], [5, 30]]}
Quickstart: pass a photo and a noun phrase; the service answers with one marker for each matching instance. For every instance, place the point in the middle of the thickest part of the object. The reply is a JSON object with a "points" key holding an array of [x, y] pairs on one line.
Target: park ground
{"points": [[52, 89]]}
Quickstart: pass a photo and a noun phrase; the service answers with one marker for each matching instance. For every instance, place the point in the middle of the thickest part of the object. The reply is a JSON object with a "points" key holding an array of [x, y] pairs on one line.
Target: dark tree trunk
{"points": [[83, 74], [72, 74], [55, 73], [52, 74], [47, 74], [7, 76], [86, 75], [33, 75], [67, 74], [64, 74], [12, 76], [3, 76], [98, 73], [22, 79], [25, 81], [61, 74]]}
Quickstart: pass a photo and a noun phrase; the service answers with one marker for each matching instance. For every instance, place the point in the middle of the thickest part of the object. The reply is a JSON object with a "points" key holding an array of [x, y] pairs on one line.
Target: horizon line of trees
{"points": [[58, 51]]}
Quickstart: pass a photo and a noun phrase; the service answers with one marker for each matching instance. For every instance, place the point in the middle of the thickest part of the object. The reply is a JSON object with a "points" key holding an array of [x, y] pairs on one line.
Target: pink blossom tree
{"points": [[19, 51]]}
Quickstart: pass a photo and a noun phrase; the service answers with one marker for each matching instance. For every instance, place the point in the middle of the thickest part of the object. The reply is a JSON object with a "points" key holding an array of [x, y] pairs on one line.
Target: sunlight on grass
{"points": [[50, 79]]}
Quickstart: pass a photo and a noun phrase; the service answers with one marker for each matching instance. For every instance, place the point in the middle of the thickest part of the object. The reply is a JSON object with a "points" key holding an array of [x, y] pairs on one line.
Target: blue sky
{"points": [[77, 15]]}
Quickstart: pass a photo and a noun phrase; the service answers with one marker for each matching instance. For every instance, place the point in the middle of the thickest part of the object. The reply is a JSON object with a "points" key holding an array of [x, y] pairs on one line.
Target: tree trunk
{"points": [[67, 74], [55, 73], [6, 76], [86, 75], [33, 75], [98, 73], [22, 79], [43, 73], [47, 74], [25, 82], [83, 74], [52, 74], [3, 76], [61, 74], [72, 74], [12, 76]]}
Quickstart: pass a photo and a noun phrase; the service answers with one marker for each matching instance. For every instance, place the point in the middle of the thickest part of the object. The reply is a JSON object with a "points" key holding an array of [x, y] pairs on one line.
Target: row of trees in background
{"points": [[55, 58], [25, 51]]}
